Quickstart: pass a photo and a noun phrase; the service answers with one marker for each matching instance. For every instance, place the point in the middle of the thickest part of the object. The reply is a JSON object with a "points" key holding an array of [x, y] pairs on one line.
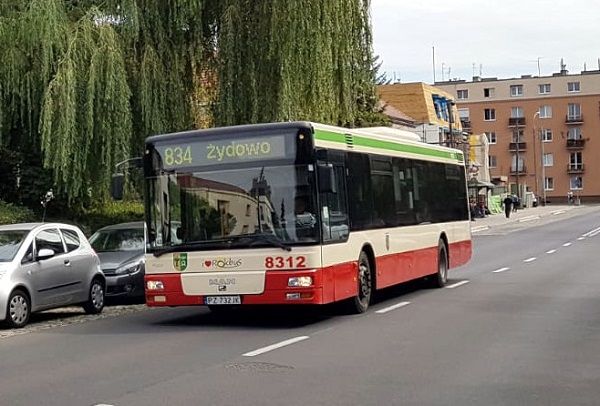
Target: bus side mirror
{"points": [[326, 176], [116, 186]]}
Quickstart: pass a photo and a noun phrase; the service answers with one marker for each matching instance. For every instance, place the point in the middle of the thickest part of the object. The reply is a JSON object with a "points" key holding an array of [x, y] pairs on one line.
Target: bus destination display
{"points": [[196, 152]]}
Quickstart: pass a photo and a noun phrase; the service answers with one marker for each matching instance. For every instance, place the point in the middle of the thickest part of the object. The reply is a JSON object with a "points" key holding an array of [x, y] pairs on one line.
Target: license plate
{"points": [[222, 300]]}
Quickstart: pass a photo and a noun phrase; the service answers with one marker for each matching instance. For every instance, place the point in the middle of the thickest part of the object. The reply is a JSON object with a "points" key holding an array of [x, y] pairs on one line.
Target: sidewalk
{"points": [[521, 216]]}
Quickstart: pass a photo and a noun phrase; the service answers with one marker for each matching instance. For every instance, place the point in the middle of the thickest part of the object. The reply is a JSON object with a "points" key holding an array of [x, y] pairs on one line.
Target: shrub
{"points": [[110, 212], [10, 214]]}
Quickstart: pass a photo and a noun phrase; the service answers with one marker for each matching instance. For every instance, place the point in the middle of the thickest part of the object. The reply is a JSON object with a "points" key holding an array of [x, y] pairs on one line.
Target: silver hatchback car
{"points": [[44, 266]]}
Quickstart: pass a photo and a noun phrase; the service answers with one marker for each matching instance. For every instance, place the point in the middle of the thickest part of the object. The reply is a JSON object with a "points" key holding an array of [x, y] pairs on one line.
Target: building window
{"points": [[517, 159], [516, 112], [549, 183], [489, 114], [548, 160], [488, 92], [491, 137], [573, 87], [545, 111], [462, 94], [574, 133], [492, 161], [576, 182], [576, 161], [574, 111], [518, 136], [546, 135], [545, 88], [516, 90]]}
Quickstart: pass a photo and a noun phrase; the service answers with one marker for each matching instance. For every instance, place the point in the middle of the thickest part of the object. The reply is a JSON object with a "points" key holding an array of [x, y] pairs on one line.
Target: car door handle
{"points": [[67, 263]]}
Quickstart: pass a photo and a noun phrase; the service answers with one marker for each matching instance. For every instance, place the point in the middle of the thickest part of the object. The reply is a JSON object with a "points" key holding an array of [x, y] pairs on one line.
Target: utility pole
{"points": [[517, 161]]}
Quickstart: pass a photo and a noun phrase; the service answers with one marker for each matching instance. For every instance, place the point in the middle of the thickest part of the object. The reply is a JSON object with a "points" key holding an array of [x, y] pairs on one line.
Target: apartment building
{"points": [[433, 112], [543, 132]]}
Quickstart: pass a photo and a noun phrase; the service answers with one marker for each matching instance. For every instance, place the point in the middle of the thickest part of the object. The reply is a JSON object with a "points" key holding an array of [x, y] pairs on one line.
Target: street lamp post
{"points": [[539, 132]]}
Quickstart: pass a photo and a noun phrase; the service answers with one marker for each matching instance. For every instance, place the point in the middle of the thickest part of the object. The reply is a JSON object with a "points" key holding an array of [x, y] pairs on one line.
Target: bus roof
{"points": [[382, 140]]}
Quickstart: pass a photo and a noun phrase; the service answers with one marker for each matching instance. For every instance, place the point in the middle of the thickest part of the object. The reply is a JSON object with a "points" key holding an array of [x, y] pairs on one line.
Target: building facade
{"points": [[433, 110], [543, 132]]}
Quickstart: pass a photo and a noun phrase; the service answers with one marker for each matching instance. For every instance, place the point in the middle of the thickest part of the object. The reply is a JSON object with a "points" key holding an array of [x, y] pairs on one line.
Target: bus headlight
{"points": [[300, 281], [155, 285]]}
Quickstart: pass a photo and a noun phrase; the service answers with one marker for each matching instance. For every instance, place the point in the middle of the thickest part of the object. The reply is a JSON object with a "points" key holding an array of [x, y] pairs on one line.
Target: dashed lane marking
{"points": [[393, 307], [456, 285], [275, 346]]}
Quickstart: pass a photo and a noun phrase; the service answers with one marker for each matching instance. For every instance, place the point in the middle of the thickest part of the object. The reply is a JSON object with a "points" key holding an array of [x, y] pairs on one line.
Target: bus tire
{"points": [[440, 278], [360, 303]]}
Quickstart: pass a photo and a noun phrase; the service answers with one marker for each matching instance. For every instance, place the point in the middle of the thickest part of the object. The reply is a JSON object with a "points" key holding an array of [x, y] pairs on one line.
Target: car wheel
{"points": [[19, 309], [95, 302]]}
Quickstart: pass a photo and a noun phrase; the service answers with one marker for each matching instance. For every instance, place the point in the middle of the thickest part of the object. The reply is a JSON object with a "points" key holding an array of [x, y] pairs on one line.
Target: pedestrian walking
{"points": [[508, 202]]}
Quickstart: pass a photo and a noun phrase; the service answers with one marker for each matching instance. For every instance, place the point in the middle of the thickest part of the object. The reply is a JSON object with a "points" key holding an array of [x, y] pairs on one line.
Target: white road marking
{"points": [[501, 270], [528, 218], [558, 212], [103, 404], [480, 228], [456, 285], [592, 233], [567, 244], [393, 307], [530, 259], [581, 238], [550, 252], [275, 346]]}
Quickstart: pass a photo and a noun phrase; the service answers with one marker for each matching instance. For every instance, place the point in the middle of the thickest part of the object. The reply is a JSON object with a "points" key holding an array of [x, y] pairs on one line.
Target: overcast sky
{"points": [[494, 38]]}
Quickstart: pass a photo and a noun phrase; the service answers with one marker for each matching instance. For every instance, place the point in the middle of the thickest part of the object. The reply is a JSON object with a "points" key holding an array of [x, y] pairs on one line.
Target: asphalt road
{"points": [[519, 325]]}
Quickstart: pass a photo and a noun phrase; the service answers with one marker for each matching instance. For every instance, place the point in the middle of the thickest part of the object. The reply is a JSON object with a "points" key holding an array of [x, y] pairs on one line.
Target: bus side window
{"points": [[334, 213]]}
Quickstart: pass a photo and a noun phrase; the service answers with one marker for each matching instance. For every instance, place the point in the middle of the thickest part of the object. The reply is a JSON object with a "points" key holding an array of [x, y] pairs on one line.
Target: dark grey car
{"points": [[45, 266], [121, 248]]}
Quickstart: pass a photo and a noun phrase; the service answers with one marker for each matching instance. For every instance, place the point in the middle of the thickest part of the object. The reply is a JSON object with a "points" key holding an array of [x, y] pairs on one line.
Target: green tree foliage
{"points": [[83, 82]]}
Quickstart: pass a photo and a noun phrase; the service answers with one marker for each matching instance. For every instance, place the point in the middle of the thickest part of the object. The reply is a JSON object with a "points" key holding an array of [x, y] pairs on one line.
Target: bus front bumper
{"points": [[167, 290]]}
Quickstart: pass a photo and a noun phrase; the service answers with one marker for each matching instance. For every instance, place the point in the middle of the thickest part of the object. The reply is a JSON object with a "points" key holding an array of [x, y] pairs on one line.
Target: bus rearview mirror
{"points": [[116, 186]]}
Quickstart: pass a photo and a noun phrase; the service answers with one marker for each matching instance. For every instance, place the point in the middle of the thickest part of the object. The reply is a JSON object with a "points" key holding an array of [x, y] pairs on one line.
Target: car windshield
{"points": [[131, 239], [10, 241]]}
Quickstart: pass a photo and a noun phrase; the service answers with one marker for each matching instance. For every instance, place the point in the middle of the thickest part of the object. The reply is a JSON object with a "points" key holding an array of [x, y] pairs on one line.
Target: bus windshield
{"points": [[233, 208]]}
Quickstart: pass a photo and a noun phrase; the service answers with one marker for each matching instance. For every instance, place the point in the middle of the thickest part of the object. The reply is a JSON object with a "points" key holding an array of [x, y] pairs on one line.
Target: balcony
{"points": [[516, 122], [574, 119], [522, 170], [575, 168], [575, 144], [518, 146]]}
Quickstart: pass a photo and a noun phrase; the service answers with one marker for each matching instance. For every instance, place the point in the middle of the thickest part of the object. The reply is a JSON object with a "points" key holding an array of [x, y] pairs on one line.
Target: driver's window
{"points": [[334, 210], [49, 239]]}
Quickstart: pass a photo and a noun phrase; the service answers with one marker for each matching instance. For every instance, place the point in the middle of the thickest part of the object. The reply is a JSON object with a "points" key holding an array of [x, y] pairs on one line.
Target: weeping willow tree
{"points": [[295, 60], [83, 82]]}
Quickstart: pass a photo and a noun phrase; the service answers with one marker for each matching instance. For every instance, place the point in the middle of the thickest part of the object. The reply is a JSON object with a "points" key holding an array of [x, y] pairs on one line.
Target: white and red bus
{"points": [[299, 213]]}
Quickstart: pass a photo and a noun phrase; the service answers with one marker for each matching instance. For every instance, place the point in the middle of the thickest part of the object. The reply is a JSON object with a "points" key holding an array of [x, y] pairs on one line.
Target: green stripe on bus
{"points": [[386, 145]]}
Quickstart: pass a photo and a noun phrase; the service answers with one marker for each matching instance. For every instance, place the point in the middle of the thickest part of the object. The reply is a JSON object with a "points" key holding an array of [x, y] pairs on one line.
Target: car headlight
{"points": [[131, 268]]}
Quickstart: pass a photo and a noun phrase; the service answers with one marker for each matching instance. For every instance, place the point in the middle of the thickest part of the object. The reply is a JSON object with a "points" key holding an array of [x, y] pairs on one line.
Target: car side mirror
{"points": [[44, 253]]}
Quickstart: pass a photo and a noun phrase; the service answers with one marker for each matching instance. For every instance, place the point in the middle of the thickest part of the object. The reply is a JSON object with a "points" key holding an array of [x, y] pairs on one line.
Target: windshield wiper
{"points": [[194, 245], [265, 238]]}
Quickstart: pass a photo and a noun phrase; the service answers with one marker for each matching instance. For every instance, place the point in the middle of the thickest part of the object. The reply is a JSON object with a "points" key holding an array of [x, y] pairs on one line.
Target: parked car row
{"points": [[44, 266]]}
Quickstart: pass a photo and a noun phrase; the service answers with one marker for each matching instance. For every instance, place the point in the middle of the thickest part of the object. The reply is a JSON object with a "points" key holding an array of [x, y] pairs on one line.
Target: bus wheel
{"points": [[440, 278], [360, 303]]}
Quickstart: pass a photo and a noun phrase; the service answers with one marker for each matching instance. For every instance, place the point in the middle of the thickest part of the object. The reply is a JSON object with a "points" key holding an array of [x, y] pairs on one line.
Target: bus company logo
{"points": [[180, 261], [222, 263], [222, 283]]}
